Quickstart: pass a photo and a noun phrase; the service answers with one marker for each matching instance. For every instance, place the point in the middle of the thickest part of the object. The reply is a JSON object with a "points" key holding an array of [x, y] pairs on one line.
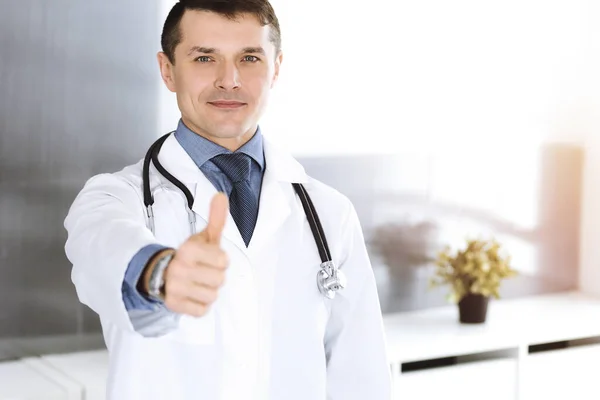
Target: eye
{"points": [[251, 59], [203, 59]]}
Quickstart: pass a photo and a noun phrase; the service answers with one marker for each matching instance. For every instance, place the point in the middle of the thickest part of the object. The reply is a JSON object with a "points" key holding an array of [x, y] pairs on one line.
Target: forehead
{"points": [[208, 29]]}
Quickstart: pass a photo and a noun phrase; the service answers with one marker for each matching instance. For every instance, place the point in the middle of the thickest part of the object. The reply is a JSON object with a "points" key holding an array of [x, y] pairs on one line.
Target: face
{"points": [[222, 74]]}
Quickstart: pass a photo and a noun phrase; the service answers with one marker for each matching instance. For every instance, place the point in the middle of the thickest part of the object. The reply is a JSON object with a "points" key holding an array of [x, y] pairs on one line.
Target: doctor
{"points": [[212, 292]]}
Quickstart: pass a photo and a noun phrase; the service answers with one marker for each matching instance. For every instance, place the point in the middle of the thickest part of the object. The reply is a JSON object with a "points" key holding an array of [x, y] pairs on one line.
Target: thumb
{"points": [[219, 208]]}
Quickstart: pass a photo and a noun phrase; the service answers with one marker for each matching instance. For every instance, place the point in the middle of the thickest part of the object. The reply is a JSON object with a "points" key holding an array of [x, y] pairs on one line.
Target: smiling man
{"points": [[221, 88], [253, 306]]}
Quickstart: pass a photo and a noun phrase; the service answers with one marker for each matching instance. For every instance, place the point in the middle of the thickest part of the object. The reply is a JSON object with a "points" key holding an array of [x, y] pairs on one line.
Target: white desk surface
{"points": [[436, 333]]}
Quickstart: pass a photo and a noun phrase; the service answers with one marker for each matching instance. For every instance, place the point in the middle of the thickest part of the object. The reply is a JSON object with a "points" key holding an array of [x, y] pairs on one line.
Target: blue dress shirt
{"points": [[201, 150]]}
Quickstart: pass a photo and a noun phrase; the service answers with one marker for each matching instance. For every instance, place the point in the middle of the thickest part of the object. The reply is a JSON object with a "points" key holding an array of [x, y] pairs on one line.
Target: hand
{"points": [[195, 274]]}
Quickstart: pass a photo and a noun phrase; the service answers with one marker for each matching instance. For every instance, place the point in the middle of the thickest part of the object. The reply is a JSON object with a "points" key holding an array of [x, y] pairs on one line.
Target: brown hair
{"points": [[262, 9]]}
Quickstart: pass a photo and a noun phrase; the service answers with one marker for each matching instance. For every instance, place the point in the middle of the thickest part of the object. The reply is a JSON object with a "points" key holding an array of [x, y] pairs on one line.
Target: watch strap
{"points": [[157, 281]]}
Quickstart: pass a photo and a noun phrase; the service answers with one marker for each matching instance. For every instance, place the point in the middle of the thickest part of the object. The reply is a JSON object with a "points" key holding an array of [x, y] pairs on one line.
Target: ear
{"points": [[167, 71], [278, 62]]}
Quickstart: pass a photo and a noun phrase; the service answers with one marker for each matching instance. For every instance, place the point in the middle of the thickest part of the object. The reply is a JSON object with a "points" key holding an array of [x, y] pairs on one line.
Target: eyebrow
{"points": [[199, 49], [255, 50], [212, 50]]}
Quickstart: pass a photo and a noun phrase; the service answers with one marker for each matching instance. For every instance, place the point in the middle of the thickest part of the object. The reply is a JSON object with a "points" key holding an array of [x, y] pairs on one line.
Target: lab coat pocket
{"points": [[196, 330]]}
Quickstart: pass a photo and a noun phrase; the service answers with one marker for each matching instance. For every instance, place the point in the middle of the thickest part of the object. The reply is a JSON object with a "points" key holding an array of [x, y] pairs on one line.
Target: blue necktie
{"points": [[243, 204]]}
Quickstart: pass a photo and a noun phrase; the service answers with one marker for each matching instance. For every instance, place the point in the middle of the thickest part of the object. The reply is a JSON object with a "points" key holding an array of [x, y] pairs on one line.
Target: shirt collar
{"points": [[202, 150]]}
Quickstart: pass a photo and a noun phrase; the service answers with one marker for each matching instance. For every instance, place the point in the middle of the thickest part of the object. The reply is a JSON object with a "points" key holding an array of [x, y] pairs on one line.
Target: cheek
{"points": [[193, 84], [259, 86]]}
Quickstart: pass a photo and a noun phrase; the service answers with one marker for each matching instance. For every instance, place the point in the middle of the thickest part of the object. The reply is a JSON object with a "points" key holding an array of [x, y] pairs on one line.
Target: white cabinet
{"points": [[89, 369], [21, 381], [490, 380], [571, 373], [500, 366]]}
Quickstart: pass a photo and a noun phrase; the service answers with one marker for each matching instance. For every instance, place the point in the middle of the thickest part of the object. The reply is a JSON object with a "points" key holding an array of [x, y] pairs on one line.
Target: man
{"points": [[234, 311]]}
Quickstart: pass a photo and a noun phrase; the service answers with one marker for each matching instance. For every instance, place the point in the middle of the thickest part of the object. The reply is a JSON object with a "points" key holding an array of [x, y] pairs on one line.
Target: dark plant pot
{"points": [[472, 309]]}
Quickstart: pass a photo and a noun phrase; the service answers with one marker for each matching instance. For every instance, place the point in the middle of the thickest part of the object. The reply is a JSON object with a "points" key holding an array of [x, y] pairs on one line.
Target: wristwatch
{"points": [[156, 285]]}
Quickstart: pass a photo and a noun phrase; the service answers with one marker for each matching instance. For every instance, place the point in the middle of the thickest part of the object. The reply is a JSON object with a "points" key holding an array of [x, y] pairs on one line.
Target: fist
{"points": [[196, 273]]}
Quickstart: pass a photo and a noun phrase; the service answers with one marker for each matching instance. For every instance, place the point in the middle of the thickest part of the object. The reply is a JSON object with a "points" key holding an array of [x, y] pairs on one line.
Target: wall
{"points": [[590, 232], [429, 75], [78, 96]]}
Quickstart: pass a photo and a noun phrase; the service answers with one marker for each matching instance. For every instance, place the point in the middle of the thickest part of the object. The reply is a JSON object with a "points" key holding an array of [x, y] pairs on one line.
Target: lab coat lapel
{"points": [[276, 194], [177, 161], [274, 208]]}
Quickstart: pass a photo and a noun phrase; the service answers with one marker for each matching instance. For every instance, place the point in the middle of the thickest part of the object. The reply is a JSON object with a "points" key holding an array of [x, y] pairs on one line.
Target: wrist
{"points": [[144, 282]]}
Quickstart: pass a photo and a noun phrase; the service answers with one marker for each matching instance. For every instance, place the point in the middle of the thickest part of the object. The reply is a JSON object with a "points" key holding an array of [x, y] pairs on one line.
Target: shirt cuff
{"points": [[132, 298]]}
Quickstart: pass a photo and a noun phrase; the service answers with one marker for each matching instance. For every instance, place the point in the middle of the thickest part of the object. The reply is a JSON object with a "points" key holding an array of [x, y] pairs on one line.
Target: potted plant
{"points": [[474, 275], [405, 247]]}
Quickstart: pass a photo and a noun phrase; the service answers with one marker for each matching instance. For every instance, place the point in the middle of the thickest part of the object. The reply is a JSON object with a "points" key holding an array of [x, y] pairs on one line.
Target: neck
{"points": [[230, 143]]}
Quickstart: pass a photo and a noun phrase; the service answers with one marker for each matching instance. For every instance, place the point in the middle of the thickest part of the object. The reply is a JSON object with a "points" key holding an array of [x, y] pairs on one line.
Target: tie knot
{"points": [[236, 166]]}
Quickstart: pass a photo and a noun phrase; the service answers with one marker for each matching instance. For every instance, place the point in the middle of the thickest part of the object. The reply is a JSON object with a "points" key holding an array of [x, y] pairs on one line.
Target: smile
{"points": [[227, 104]]}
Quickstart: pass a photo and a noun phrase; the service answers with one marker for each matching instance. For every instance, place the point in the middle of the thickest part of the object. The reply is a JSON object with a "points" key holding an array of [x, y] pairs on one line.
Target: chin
{"points": [[228, 133]]}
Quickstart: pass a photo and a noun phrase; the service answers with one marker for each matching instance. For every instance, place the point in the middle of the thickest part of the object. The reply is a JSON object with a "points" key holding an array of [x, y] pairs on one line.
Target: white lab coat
{"points": [[270, 335]]}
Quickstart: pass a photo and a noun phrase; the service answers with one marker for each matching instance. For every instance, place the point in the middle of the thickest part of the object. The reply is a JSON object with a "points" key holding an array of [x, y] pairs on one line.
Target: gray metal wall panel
{"points": [[78, 96]]}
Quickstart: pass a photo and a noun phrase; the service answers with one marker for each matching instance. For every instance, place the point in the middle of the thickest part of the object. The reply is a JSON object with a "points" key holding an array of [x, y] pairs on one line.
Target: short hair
{"points": [[261, 9]]}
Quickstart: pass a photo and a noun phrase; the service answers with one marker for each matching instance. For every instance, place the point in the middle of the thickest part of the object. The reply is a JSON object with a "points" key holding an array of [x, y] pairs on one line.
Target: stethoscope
{"points": [[330, 279]]}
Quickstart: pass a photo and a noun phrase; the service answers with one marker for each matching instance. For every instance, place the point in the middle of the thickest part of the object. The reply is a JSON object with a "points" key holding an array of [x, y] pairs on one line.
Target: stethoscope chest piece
{"points": [[330, 279]]}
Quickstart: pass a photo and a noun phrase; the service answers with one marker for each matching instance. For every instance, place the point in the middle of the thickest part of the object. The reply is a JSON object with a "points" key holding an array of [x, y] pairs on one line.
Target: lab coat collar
{"points": [[281, 169], [279, 163]]}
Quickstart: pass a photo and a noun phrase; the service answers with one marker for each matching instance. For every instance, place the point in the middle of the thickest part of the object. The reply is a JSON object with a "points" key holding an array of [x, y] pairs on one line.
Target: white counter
{"points": [[436, 333], [494, 360], [489, 361], [19, 380]]}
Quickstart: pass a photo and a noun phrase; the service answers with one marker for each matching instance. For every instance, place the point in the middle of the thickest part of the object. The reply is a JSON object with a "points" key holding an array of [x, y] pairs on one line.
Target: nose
{"points": [[228, 77]]}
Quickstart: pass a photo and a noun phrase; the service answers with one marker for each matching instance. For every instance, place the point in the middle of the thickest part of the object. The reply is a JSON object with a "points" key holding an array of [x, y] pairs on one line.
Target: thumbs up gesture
{"points": [[195, 274]]}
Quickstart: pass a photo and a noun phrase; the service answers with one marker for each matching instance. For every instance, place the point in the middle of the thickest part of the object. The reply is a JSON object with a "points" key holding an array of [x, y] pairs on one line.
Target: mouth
{"points": [[227, 104]]}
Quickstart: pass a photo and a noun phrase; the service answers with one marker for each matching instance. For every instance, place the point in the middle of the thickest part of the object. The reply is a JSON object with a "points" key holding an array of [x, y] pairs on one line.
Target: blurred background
{"points": [[440, 120]]}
